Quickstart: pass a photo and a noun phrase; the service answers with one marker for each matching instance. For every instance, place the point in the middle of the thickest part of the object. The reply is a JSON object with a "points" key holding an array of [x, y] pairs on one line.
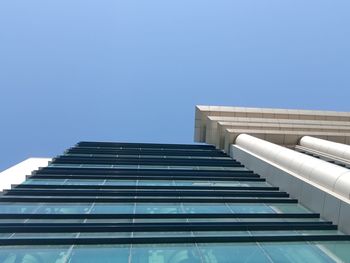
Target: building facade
{"points": [[169, 203]]}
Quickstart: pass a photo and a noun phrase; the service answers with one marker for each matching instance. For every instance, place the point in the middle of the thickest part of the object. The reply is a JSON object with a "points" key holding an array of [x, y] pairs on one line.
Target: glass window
{"points": [[289, 208], [159, 234], [97, 254], [65, 221], [251, 208], [295, 252], [34, 254], [190, 183], [44, 235], [63, 208], [116, 208], [338, 250], [237, 252], [165, 253], [105, 234], [45, 181], [221, 233], [84, 182], [213, 220], [18, 208], [194, 208], [160, 220], [120, 182], [162, 208], [114, 220], [155, 183]]}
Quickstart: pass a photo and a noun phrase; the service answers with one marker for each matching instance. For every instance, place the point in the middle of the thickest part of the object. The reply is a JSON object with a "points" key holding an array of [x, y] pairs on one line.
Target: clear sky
{"points": [[133, 71]]}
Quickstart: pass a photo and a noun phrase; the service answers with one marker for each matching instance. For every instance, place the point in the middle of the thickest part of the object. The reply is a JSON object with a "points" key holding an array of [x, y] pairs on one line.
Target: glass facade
{"points": [[155, 203]]}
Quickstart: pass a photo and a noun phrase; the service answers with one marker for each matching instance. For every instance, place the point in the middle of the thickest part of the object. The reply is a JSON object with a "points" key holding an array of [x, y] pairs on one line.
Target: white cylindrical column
{"points": [[332, 177], [333, 148]]}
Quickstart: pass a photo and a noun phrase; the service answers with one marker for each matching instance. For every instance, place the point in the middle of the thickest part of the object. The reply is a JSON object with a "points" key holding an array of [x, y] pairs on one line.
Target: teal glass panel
{"points": [[337, 250], [296, 232], [18, 208], [109, 220], [96, 165], [83, 182], [6, 235], [213, 220], [163, 208], [65, 221], [44, 235], [34, 254], [99, 254], [190, 183], [298, 252], [261, 184], [164, 220], [210, 208], [12, 220], [159, 234], [289, 208], [251, 208], [305, 219], [45, 181], [234, 252], [155, 183], [105, 234], [165, 253], [221, 233], [220, 183], [63, 208], [152, 166], [280, 219], [116, 208], [120, 182]]}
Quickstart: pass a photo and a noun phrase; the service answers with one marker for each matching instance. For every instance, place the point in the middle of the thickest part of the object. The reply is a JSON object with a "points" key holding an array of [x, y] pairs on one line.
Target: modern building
{"points": [[268, 186]]}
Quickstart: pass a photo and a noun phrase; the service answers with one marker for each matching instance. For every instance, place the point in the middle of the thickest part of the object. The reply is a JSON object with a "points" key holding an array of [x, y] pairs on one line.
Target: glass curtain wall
{"points": [[158, 203]]}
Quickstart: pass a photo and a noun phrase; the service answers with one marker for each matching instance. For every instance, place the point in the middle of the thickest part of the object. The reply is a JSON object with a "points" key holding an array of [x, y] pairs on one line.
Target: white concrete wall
{"points": [[318, 199], [17, 173], [330, 176]]}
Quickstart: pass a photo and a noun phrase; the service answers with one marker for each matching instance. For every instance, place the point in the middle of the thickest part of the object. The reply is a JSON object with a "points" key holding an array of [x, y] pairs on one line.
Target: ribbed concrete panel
{"points": [[220, 125]]}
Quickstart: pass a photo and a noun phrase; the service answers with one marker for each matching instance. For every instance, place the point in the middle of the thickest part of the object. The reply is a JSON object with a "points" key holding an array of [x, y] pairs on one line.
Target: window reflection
{"points": [[163, 208], [295, 252], [38, 254], [165, 254], [227, 253]]}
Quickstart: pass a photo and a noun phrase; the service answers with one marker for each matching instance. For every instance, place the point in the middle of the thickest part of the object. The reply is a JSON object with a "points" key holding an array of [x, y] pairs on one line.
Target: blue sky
{"points": [[134, 70]]}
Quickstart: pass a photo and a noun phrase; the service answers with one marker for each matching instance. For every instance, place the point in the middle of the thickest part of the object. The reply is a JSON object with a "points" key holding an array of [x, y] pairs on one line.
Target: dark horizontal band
{"points": [[145, 187], [140, 193], [141, 171], [145, 161], [145, 145], [162, 227], [139, 177], [41, 199], [130, 151], [153, 158], [163, 240], [158, 216]]}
